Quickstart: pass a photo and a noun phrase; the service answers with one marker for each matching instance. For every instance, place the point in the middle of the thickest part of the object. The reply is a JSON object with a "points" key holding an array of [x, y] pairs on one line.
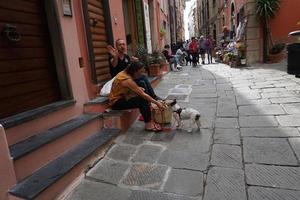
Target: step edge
{"points": [[32, 114], [55, 135], [79, 147], [97, 100]]}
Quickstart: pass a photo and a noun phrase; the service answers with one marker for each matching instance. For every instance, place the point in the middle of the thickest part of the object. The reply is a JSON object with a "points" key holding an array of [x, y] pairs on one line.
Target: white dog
{"points": [[185, 113]]}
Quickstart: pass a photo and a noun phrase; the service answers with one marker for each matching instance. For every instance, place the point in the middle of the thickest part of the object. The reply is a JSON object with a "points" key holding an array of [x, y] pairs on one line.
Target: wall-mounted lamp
{"points": [[116, 20]]}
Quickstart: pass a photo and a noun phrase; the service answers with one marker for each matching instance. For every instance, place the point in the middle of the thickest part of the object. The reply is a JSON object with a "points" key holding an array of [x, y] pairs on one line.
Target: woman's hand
{"points": [[134, 59], [161, 105]]}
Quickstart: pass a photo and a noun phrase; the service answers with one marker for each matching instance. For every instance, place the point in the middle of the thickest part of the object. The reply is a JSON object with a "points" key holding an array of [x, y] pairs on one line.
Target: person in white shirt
{"points": [[180, 55]]}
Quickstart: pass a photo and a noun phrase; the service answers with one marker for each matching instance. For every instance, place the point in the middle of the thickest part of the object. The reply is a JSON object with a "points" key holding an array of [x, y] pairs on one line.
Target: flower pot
{"points": [[154, 70], [243, 61], [275, 58], [164, 67]]}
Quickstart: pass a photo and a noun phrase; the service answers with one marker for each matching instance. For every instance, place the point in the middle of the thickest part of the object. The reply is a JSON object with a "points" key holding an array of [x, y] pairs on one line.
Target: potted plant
{"points": [[232, 59], [143, 56], [277, 53], [243, 59], [265, 9], [156, 61], [241, 52]]}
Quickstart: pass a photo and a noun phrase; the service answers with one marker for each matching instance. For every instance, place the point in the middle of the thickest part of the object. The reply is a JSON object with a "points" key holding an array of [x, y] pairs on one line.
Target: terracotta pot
{"points": [[154, 70], [275, 58], [164, 67]]}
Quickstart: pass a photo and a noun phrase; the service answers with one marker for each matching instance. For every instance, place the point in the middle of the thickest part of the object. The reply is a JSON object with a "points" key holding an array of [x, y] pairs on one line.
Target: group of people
{"points": [[198, 47], [175, 60], [130, 88], [189, 52]]}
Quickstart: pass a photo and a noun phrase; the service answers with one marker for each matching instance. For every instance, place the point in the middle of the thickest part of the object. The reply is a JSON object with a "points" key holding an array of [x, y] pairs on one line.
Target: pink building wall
{"points": [[117, 19], [286, 20], [82, 39], [73, 53], [77, 86], [7, 174]]}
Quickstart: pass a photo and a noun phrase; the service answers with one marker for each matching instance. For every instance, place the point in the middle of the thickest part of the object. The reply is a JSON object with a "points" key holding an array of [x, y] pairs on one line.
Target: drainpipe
{"points": [[7, 173]]}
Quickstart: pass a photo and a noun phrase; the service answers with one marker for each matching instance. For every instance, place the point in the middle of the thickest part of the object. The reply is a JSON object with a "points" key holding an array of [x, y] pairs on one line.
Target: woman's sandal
{"points": [[155, 128]]}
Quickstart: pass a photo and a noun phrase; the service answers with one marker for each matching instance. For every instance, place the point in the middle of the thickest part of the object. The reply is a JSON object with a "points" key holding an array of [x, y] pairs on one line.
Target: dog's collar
{"points": [[178, 111]]}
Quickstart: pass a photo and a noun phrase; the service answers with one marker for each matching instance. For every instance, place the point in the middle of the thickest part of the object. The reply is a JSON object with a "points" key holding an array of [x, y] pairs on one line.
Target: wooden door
{"points": [[27, 71], [97, 39]]}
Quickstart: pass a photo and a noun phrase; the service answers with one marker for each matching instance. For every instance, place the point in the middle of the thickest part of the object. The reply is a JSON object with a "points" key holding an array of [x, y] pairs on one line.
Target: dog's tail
{"points": [[197, 117]]}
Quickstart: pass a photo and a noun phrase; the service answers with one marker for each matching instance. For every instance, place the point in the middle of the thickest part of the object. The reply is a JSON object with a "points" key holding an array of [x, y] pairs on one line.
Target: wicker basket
{"points": [[162, 116]]}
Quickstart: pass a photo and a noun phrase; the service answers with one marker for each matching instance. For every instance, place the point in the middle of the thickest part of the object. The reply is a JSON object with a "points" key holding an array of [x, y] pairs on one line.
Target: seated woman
{"points": [[170, 58], [126, 94]]}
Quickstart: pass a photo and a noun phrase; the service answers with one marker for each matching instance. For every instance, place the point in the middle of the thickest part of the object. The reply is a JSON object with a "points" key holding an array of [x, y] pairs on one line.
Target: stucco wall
{"points": [[117, 19], [285, 20], [72, 54]]}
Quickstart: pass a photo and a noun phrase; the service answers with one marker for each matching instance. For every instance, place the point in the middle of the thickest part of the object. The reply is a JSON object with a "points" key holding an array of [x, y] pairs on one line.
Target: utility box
{"points": [[293, 58]]}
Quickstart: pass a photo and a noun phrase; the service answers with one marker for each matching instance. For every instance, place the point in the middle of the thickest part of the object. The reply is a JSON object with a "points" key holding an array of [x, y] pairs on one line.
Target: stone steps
{"points": [[32, 186], [34, 152]]}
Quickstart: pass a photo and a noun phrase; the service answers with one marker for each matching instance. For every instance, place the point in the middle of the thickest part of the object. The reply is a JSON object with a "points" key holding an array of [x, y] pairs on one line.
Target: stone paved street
{"points": [[247, 149]]}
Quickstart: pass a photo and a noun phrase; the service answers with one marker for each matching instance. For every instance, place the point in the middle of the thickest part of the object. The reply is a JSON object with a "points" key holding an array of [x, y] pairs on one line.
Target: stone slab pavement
{"points": [[248, 147]]}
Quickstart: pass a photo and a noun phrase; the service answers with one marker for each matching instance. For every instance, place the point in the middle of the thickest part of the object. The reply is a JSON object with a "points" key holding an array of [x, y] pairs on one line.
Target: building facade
{"points": [[192, 21], [220, 16], [53, 62], [179, 12]]}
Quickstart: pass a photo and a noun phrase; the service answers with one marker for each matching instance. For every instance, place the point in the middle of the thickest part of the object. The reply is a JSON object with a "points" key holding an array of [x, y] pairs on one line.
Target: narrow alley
{"points": [[247, 148]]}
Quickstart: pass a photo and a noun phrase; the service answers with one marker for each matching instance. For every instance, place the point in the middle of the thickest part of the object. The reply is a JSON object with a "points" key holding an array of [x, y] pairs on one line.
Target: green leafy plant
{"points": [[142, 55], [242, 55], [277, 48], [157, 58], [266, 9], [232, 57]]}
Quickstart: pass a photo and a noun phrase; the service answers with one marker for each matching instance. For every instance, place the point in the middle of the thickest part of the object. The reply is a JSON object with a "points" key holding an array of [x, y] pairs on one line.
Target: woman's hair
{"points": [[134, 67]]}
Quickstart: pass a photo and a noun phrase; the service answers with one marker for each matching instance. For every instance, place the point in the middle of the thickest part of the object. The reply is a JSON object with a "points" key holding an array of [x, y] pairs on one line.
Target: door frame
{"points": [[62, 74], [108, 30], [58, 48]]}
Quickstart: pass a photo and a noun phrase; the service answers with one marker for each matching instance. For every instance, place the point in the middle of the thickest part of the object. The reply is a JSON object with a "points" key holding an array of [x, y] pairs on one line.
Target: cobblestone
{"points": [[249, 143], [257, 121], [268, 151], [185, 182], [226, 156], [227, 136], [108, 171], [258, 193], [225, 184], [273, 176]]}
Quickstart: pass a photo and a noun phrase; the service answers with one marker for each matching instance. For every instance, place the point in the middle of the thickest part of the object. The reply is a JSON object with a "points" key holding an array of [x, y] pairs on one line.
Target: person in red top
{"points": [[193, 48]]}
